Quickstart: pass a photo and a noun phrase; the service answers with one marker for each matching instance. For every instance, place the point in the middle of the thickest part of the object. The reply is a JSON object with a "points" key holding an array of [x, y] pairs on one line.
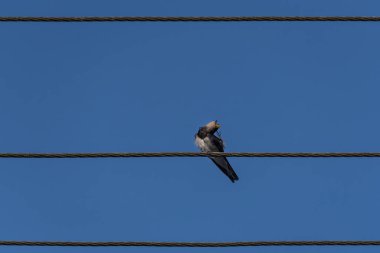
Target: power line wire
{"points": [[190, 244], [197, 19], [186, 154]]}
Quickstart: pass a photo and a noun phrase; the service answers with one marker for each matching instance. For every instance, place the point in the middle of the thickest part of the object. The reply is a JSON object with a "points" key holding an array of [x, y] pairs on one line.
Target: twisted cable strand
{"points": [[190, 244], [195, 19], [189, 154]]}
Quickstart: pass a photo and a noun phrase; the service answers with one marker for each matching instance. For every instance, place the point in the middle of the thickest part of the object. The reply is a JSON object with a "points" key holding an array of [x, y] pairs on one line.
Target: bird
{"points": [[208, 142]]}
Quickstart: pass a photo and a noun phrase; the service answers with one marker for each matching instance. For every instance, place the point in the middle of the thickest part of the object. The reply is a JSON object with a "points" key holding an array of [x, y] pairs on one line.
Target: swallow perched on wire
{"points": [[208, 142]]}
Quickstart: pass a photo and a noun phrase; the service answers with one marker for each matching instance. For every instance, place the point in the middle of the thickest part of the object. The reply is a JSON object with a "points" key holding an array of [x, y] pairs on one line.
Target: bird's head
{"points": [[212, 126]]}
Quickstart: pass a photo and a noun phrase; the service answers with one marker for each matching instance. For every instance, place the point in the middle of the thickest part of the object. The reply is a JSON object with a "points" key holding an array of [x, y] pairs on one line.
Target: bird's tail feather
{"points": [[225, 167]]}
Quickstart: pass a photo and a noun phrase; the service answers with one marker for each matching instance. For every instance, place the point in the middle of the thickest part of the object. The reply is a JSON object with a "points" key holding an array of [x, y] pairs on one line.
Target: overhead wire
{"points": [[189, 244], [193, 19], [194, 154]]}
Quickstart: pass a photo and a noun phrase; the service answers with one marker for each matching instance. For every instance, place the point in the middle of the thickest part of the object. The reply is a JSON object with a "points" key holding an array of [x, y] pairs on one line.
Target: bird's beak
{"points": [[217, 126]]}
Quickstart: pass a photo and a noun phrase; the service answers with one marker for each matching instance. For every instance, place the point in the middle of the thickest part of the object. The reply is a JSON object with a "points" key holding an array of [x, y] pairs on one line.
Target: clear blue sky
{"points": [[130, 87]]}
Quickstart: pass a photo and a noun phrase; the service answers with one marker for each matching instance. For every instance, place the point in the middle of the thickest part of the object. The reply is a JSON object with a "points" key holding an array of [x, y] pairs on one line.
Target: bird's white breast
{"points": [[200, 144]]}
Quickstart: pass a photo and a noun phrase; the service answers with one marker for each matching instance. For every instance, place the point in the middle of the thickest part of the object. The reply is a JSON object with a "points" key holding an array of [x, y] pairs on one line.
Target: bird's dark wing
{"points": [[222, 162], [216, 142], [225, 167]]}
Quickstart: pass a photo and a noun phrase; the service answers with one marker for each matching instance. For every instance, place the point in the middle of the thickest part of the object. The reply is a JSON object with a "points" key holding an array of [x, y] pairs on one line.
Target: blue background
{"points": [[146, 87]]}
